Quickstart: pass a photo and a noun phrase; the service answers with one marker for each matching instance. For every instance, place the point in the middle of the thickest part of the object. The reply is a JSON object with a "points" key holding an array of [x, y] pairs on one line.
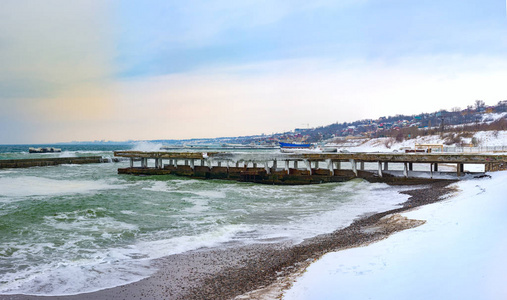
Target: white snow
{"points": [[491, 117], [490, 138], [388, 144], [459, 253]]}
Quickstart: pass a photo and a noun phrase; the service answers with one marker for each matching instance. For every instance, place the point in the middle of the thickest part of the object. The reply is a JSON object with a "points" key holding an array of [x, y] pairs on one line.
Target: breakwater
{"points": [[41, 162], [304, 168]]}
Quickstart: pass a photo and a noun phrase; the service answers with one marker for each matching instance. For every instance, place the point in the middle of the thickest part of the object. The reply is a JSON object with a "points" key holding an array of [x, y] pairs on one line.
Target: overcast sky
{"points": [[118, 70]]}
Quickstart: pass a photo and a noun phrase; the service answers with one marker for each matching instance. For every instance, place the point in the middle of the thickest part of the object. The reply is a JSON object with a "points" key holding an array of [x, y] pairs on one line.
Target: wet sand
{"points": [[258, 271]]}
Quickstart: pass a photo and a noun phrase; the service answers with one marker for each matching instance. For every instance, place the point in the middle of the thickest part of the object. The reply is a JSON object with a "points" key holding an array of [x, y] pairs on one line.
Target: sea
{"points": [[71, 229]]}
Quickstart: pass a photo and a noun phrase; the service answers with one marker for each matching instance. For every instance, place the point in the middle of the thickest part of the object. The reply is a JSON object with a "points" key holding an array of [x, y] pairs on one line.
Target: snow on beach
{"points": [[459, 253]]}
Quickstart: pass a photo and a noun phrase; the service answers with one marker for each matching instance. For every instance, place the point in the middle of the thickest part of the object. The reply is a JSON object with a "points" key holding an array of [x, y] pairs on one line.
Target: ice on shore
{"points": [[459, 253]]}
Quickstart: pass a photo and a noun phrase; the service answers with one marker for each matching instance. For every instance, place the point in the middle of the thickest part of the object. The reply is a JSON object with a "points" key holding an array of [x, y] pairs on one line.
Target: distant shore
{"points": [[260, 271]]}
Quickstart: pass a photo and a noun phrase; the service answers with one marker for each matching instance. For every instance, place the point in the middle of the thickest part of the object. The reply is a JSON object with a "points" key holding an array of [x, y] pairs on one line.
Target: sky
{"points": [[116, 70]]}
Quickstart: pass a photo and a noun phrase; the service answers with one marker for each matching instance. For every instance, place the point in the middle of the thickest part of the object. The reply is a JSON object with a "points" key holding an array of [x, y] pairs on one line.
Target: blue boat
{"points": [[295, 146]]}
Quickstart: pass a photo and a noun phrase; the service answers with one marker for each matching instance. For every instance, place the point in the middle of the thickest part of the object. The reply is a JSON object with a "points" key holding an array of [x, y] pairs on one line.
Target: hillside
{"points": [[456, 127], [485, 141]]}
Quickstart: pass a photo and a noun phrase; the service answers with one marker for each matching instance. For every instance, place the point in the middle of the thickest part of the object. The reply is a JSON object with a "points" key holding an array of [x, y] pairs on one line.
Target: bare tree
{"points": [[479, 104]]}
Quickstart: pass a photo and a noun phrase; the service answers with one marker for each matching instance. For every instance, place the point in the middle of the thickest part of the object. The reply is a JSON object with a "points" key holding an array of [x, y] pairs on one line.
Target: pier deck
{"points": [[306, 168]]}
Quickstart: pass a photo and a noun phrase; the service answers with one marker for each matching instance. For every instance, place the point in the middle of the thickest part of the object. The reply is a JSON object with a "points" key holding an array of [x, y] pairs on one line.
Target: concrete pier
{"points": [[42, 162], [286, 168]]}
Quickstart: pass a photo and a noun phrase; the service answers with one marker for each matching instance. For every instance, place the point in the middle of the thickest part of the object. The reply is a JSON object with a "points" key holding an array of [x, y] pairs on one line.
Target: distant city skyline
{"points": [[145, 70]]}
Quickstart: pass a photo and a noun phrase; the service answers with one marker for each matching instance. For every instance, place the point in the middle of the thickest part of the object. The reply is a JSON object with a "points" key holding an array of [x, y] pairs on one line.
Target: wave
{"points": [[147, 146]]}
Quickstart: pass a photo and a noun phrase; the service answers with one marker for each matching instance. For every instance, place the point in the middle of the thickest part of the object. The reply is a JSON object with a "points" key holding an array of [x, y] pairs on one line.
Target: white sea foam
{"points": [[67, 154], [147, 146], [181, 182], [164, 247], [87, 221], [210, 194], [105, 269], [5, 172], [37, 186], [129, 212], [366, 199], [159, 186], [165, 186], [76, 263], [199, 205]]}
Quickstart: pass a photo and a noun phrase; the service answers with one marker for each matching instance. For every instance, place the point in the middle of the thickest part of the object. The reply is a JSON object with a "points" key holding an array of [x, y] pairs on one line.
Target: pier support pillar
{"points": [[435, 167], [309, 166], [361, 166], [386, 166], [354, 167], [330, 166], [209, 163], [175, 163], [266, 167], [405, 169], [144, 162], [295, 164], [379, 169], [192, 164], [219, 163], [410, 166], [274, 166], [460, 168], [338, 165], [237, 164], [287, 166], [131, 162]]}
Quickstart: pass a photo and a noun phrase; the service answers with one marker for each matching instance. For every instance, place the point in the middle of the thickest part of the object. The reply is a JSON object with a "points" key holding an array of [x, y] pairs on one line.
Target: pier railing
{"points": [[480, 149]]}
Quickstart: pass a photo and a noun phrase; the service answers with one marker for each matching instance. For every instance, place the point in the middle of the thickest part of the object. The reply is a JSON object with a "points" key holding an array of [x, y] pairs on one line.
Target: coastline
{"points": [[259, 271]]}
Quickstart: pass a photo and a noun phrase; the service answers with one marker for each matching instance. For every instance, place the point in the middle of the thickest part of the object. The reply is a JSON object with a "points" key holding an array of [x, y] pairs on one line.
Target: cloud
{"points": [[276, 96], [53, 49], [281, 95], [89, 69], [176, 36]]}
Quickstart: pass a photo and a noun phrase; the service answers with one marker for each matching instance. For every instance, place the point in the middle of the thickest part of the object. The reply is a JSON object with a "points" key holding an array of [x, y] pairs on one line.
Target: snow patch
{"points": [[459, 253]]}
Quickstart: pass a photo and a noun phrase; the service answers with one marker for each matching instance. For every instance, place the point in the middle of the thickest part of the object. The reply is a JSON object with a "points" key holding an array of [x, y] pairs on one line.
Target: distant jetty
{"points": [[42, 162], [44, 150]]}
